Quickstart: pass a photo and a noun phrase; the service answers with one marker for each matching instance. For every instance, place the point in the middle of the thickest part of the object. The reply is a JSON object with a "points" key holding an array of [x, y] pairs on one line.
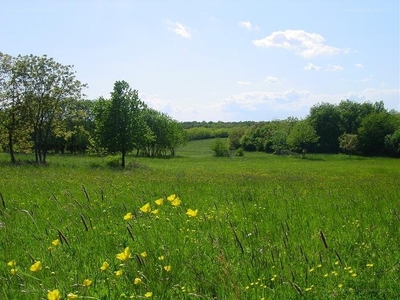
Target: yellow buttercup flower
{"points": [[370, 265], [137, 281], [148, 294], [192, 213], [146, 208], [128, 216], [54, 295], [167, 268], [104, 266], [87, 282], [176, 202], [161, 257], [143, 254], [119, 273], [11, 263], [171, 197], [124, 256], [55, 242], [159, 201], [37, 266], [13, 271], [72, 296], [155, 211]]}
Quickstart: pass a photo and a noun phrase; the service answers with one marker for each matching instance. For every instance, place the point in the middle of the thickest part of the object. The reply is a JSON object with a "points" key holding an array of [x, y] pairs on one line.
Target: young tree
{"points": [[302, 137], [348, 142], [119, 119]]}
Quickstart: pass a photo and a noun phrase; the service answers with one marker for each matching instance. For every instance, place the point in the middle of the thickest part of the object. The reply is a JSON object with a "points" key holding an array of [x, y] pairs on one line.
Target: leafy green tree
{"points": [[348, 142], [374, 128], [234, 136], [302, 137], [392, 143], [119, 119], [48, 88], [220, 148], [326, 120]]}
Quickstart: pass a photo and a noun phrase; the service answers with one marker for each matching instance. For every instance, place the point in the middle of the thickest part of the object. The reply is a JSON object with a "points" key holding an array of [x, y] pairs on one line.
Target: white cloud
{"points": [[334, 68], [248, 25], [305, 44], [311, 67], [179, 29], [272, 79], [240, 82], [361, 66]]}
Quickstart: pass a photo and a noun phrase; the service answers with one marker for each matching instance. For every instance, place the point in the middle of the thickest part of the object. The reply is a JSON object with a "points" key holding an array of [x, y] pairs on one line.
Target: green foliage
{"points": [[302, 137], [220, 148], [348, 143], [392, 143]]}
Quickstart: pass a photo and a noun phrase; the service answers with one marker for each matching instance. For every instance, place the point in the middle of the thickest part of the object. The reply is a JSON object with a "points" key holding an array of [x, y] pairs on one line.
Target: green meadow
{"points": [[200, 227]]}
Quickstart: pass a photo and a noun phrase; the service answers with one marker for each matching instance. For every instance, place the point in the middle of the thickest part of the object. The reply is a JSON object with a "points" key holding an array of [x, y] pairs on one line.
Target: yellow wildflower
{"points": [[176, 202], [370, 265], [167, 268], [159, 201], [124, 256], [171, 197], [55, 242], [146, 208], [155, 211], [54, 295], [148, 294], [192, 213], [137, 281], [13, 271], [340, 285], [118, 273], [11, 263], [143, 254], [128, 216], [87, 282], [37, 266], [308, 289], [72, 296], [161, 257], [104, 266]]}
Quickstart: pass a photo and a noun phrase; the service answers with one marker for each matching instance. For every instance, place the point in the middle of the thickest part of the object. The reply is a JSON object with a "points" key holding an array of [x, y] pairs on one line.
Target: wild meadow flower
{"points": [[54, 295], [176, 202], [143, 254], [137, 281], [13, 271], [37, 266], [159, 201], [118, 273], [167, 268], [55, 242], [146, 208], [370, 265], [340, 285], [104, 266], [125, 255], [128, 216], [161, 257], [148, 295], [171, 198], [191, 213], [155, 211], [87, 282], [72, 296], [11, 263]]}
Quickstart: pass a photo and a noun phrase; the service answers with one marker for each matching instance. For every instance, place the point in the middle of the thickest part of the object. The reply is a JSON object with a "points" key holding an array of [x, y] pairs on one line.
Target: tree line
{"points": [[351, 127], [42, 109]]}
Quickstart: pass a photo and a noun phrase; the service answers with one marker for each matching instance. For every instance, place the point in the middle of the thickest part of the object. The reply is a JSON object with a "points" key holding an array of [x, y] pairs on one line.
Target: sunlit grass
{"points": [[197, 226]]}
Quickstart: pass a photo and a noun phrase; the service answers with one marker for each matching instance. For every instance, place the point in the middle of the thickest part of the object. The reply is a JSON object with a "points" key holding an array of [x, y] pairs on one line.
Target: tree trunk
{"points": [[10, 146]]}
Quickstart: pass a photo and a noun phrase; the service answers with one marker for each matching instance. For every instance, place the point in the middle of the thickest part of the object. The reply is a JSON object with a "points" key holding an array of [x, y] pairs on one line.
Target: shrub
{"points": [[220, 148]]}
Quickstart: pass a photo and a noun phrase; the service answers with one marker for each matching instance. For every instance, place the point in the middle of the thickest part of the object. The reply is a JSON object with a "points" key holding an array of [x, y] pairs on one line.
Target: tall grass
{"points": [[267, 227]]}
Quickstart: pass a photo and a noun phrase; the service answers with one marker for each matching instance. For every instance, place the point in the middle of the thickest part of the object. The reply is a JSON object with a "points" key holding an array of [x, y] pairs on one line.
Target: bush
{"points": [[239, 152], [220, 148]]}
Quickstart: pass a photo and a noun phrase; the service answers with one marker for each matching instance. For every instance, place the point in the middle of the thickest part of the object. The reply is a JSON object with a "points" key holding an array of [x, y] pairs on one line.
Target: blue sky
{"points": [[218, 60]]}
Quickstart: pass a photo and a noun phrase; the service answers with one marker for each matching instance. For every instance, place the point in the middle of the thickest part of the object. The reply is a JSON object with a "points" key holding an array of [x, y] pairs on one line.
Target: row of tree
{"points": [[366, 128], [41, 110]]}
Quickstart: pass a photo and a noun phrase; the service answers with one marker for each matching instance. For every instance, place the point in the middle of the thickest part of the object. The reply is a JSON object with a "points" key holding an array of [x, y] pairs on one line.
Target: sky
{"points": [[218, 60]]}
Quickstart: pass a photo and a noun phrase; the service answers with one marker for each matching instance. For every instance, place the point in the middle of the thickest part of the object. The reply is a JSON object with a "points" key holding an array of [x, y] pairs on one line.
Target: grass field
{"points": [[252, 227]]}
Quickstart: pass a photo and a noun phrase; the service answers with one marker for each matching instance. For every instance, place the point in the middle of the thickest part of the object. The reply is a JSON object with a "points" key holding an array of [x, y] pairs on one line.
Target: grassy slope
{"points": [[258, 233]]}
